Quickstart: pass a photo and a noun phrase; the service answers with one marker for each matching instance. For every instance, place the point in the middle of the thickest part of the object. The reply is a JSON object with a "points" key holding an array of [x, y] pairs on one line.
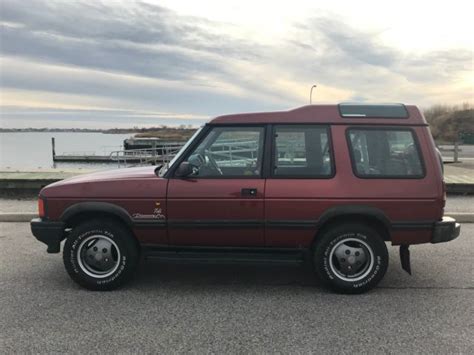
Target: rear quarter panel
{"points": [[402, 200]]}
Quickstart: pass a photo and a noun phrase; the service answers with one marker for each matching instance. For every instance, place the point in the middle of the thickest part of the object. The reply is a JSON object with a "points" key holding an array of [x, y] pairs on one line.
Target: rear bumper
{"points": [[48, 232], [445, 230]]}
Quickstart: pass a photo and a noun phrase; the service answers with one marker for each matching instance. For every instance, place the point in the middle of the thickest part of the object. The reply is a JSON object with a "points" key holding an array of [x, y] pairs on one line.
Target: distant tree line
{"points": [[451, 123], [182, 129], [44, 129]]}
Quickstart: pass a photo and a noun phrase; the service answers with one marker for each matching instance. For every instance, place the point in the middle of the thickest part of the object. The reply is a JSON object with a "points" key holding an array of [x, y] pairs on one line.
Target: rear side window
{"points": [[385, 153], [302, 151]]}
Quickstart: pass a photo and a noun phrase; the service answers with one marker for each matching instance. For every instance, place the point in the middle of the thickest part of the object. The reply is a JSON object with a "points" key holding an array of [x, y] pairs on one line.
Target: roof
{"points": [[319, 114]]}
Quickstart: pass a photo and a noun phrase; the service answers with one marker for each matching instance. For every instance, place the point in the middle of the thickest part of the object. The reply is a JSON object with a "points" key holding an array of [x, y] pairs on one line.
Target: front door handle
{"points": [[248, 192]]}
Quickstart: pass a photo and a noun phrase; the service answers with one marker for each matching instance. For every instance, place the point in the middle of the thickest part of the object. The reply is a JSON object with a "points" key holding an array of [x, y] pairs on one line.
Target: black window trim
{"points": [[170, 173], [374, 117], [204, 133], [385, 128], [271, 172]]}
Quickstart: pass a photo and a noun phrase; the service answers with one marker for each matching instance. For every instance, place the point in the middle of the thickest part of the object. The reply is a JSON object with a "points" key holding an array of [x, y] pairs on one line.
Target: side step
{"points": [[226, 255]]}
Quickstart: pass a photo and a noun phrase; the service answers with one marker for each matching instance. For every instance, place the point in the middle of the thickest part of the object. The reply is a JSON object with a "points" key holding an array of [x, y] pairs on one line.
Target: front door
{"points": [[300, 184], [221, 203]]}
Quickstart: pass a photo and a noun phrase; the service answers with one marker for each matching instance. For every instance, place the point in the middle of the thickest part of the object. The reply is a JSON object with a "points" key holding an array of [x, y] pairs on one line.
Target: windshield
{"points": [[165, 167]]}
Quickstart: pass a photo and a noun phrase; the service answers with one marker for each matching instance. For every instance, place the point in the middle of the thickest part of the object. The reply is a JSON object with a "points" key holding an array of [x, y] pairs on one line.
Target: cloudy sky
{"points": [[125, 63]]}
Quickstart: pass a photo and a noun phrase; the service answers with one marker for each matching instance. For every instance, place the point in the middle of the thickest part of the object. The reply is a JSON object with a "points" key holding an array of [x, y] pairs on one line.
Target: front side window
{"points": [[385, 153], [181, 151], [302, 151], [229, 152]]}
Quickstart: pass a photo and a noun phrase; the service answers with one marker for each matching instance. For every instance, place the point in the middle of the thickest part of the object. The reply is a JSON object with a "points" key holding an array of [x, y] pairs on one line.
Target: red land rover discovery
{"points": [[330, 182]]}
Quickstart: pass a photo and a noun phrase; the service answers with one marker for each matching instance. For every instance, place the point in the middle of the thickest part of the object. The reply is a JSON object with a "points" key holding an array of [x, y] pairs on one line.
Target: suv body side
{"points": [[286, 211], [330, 182]]}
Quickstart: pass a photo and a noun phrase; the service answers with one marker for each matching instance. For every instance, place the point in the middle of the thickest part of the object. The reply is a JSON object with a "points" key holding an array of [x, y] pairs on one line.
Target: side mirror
{"points": [[184, 169]]}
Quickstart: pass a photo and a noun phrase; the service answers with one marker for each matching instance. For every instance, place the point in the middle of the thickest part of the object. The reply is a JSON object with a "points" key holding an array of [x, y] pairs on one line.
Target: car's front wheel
{"points": [[100, 255], [350, 258]]}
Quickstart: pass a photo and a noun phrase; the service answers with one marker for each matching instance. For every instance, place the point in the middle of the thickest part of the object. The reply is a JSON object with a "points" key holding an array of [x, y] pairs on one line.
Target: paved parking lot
{"points": [[257, 309]]}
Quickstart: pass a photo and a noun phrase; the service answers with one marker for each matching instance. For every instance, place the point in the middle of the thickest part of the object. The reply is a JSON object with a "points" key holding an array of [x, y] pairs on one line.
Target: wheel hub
{"points": [[351, 259], [98, 256]]}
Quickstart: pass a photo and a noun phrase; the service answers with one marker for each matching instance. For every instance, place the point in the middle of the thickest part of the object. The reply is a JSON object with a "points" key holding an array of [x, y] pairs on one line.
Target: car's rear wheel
{"points": [[100, 255], [350, 258]]}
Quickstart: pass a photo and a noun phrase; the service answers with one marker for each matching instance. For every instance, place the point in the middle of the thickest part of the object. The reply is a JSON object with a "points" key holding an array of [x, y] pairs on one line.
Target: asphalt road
{"points": [[235, 309]]}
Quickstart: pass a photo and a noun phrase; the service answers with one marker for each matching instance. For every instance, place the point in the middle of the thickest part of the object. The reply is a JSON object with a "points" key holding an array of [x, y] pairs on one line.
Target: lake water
{"points": [[32, 150]]}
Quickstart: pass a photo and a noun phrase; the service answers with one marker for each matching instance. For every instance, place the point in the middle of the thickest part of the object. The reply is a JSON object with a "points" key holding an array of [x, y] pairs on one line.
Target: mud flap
{"points": [[405, 258]]}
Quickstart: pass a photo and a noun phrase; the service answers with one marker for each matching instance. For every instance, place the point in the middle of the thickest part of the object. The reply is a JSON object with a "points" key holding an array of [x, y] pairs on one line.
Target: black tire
{"points": [[350, 258], [82, 265]]}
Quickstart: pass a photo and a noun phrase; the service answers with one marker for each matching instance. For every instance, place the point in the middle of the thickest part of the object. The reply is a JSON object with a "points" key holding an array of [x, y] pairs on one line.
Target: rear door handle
{"points": [[248, 192]]}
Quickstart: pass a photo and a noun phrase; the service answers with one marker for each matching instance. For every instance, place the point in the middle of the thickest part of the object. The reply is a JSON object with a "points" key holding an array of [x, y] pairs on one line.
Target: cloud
{"points": [[146, 39], [134, 56], [159, 61], [97, 118], [348, 57], [350, 44]]}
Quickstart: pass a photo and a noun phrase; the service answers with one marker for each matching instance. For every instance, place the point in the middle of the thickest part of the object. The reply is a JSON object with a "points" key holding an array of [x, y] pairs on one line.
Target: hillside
{"points": [[178, 134], [449, 123]]}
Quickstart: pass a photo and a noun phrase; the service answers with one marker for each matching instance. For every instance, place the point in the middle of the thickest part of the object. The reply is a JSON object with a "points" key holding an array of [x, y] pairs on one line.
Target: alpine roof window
{"points": [[354, 110]]}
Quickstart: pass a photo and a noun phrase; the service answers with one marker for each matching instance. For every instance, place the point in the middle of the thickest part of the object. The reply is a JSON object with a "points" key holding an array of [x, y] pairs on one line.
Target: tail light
{"points": [[443, 202], [440, 159], [41, 209]]}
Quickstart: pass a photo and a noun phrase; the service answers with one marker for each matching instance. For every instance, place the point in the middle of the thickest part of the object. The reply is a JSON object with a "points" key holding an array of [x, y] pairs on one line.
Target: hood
{"points": [[115, 174], [118, 182]]}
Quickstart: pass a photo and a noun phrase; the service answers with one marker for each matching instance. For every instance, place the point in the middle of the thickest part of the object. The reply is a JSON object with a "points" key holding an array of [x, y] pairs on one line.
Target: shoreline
{"points": [[97, 130]]}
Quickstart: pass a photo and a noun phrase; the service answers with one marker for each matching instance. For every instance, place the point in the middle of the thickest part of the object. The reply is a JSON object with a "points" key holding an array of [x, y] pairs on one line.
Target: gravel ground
{"points": [[235, 309], [457, 203]]}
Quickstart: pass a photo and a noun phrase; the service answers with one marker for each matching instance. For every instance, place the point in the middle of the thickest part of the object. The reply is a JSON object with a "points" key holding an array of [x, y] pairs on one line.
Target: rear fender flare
{"points": [[354, 211]]}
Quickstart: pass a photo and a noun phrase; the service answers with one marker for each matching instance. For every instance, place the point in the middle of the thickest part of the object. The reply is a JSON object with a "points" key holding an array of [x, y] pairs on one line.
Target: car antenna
{"points": [[311, 94]]}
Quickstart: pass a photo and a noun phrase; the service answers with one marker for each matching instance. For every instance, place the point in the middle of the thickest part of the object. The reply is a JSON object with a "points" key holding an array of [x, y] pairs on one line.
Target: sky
{"points": [[106, 64]]}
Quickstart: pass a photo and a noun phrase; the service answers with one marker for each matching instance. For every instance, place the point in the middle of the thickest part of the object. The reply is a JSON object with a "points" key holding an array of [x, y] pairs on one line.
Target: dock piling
{"points": [[53, 147]]}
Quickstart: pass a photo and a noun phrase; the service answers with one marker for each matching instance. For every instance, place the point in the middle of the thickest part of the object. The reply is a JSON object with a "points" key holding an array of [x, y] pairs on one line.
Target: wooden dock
{"points": [[160, 153], [94, 159]]}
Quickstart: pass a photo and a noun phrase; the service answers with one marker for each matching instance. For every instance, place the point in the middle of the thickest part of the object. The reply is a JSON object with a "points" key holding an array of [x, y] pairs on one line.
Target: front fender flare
{"points": [[109, 208]]}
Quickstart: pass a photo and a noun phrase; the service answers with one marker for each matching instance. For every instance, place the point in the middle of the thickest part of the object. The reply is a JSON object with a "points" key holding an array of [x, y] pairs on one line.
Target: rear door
{"points": [[222, 203]]}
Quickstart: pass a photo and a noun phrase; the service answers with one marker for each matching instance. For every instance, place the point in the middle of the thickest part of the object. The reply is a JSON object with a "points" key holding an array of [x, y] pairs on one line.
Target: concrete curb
{"points": [[461, 217], [17, 216]]}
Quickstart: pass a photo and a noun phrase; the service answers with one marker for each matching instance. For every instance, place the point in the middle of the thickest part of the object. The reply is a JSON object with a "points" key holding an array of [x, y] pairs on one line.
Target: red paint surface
{"points": [[138, 190], [316, 114], [215, 199]]}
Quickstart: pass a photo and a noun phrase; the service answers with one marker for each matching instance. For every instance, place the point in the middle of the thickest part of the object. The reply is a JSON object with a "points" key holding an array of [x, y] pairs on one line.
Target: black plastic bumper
{"points": [[48, 232], [446, 230]]}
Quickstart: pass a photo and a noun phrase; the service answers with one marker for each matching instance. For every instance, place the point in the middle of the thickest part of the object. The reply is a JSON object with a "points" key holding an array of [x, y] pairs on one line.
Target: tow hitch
{"points": [[405, 258]]}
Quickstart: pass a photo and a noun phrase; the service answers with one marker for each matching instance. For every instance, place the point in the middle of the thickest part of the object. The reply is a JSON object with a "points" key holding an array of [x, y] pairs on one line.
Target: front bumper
{"points": [[445, 230], [48, 232]]}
